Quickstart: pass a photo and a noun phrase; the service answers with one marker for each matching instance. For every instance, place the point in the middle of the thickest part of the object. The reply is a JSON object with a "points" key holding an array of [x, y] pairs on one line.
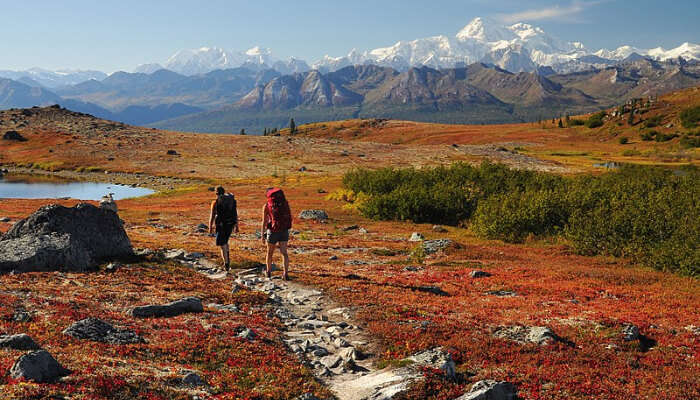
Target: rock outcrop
{"points": [[38, 366], [14, 135], [100, 331], [18, 342], [61, 238], [490, 390], [182, 306], [318, 215]]}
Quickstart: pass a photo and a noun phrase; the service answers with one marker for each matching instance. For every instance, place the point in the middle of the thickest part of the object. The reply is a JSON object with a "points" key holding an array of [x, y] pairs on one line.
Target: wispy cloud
{"points": [[567, 12]]}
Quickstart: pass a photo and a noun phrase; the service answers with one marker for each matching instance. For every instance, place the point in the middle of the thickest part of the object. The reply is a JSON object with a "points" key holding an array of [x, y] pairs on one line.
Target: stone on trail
{"points": [[439, 229], [387, 383], [490, 390], [630, 333], [318, 215], [38, 366], [416, 237], [182, 306], [100, 331], [57, 237], [18, 342]]}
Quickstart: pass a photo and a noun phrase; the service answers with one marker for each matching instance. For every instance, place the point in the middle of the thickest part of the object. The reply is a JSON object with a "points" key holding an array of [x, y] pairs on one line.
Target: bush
{"points": [[690, 117], [689, 142], [576, 122], [623, 140], [661, 137], [647, 136], [648, 214], [653, 121], [595, 120]]}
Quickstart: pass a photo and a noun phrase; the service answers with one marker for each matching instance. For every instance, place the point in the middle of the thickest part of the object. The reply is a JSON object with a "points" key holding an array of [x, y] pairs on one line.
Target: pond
{"points": [[33, 188]]}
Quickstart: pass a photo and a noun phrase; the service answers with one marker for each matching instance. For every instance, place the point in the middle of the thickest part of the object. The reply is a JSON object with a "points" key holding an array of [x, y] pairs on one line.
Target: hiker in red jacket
{"points": [[224, 217], [276, 222]]}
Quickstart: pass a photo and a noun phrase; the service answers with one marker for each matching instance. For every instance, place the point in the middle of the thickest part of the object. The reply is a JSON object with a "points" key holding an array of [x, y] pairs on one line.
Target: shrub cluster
{"points": [[595, 120], [648, 214], [690, 117]]}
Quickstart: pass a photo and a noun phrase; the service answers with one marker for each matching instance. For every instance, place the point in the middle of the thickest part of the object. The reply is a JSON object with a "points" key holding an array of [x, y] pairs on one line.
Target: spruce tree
{"points": [[561, 123], [242, 131], [292, 127]]}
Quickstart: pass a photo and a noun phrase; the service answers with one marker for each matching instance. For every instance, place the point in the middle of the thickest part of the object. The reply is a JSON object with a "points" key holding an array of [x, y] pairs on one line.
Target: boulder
{"points": [[18, 342], [107, 203], [479, 274], [57, 237], [192, 379], [38, 366], [389, 382], [540, 335], [490, 390], [439, 229], [100, 331], [630, 333], [416, 237], [14, 135], [433, 246], [182, 306], [318, 215]]}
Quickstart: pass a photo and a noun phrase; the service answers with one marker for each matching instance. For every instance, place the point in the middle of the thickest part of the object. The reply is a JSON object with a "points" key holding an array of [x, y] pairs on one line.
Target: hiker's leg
{"points": [[283, 250], [268, 259], [225, 255]]}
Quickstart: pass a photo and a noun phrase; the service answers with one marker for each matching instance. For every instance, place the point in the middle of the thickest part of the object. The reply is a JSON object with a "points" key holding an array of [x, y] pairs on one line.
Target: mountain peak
{"points": [[485, 30]]}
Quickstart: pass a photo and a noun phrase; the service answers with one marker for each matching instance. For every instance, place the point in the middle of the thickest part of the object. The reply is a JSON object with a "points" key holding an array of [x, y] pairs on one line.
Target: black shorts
{"points": [[223, 233], [276, 237]]}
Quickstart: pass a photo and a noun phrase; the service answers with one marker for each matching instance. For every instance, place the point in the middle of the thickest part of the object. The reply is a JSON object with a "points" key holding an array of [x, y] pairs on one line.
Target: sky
{"points": [[111, 35]]}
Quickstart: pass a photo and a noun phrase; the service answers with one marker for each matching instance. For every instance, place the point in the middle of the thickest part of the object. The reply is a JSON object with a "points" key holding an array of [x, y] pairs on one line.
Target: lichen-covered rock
{"points": [[61, 238], [318, 215], [100, 331], [540, 335], [490, 390], [182, 306], [416, 237], [38, 366], [18, 342], [433, 246]]}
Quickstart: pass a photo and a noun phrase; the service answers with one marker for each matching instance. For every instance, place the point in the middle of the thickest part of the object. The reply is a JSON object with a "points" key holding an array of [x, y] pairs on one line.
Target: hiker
{"points": [[276, 222], [225, 217]]}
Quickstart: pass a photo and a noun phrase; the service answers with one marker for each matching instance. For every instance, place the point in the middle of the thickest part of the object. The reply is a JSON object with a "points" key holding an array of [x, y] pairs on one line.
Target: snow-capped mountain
{"points": [[207, 59], [52, 79], [518, 47]]}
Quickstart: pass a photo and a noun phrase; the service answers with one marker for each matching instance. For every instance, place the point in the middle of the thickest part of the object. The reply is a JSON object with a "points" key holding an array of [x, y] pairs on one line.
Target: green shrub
{"points": [[623, 140], [689, 142], [662, 137], [653, 121], [648, 214], [576, 122], [595, 120], [690, 117], [647, 136]]}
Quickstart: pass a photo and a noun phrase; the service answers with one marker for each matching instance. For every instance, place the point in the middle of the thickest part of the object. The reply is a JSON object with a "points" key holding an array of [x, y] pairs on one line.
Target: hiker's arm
{"points": [[263, 228], [212, 217]]}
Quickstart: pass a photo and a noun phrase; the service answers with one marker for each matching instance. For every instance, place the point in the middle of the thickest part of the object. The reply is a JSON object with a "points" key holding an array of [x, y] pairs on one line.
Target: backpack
{"points": [[226, 213], [278, 211]]}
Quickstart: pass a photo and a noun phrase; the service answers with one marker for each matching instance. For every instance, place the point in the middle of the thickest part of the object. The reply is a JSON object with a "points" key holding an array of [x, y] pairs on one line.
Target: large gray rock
{"points": [[433, 246], [389, 382], [100, 331], [490, 390], [18, 342], [38, 366], [540, 335], [318, 215], [61, 238], [182, 306]]}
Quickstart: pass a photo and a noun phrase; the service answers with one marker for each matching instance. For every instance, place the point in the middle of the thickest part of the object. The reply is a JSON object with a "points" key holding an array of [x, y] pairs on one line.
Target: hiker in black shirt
{"points": [[224, 217]]}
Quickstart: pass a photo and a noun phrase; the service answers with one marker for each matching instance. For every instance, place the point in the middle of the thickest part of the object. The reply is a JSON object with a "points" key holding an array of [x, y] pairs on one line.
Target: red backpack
{"points": [[278, 210]]}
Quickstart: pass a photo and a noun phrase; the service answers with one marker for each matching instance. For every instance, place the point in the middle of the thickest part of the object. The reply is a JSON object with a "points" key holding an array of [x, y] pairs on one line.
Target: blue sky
{"points": [[110, 35]]}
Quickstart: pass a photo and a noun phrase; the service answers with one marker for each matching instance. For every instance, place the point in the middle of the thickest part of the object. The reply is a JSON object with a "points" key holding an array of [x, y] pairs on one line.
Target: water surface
{"points": [[28, 188]]}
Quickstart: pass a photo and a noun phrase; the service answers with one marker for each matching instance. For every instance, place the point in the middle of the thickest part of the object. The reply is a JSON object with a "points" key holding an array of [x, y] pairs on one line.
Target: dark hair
{"points": [[220, 190]]}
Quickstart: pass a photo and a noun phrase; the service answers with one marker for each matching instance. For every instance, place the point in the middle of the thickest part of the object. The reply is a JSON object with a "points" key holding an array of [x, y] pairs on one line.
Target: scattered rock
{"points": [[439, 229], [318, 215], [502, 293], [362, 231], [332, 258], [479, 274], [18, 342], [433, 246], [435, 358], [38, 366], [14, 135], [695, 330], [331, 361], [5, 219], [171, 152], [412, 269], [247, 334], [182, 306], [100, 331], [113, 267], [490, 390], [57, 237], [432, 289], [351, 228], [202, 228], [307, 396], [21, 316], [192, 379], [416, 237], [630, 333], [540, 335]]}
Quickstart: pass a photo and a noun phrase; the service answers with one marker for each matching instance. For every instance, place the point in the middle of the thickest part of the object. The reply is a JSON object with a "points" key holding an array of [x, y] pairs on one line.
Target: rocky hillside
{"points": [[475, 94]]}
